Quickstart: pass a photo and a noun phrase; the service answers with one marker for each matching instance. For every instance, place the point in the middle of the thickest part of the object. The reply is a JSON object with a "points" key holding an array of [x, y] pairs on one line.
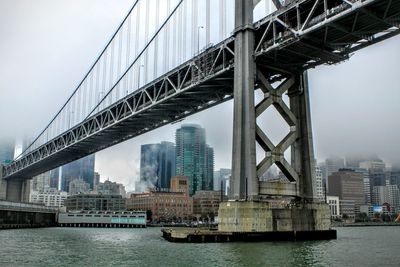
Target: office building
{"points": [[164, 206], [334, 206], [41, 182], [82, 169], [180, 184], [157, 164], [348, 185], [206, 204], [111, 188], [6, 156], [222, 177], [319, 187], [95, 202], [50, 197], [78, 186], [333, 164], [194, 158], [388, 194]]}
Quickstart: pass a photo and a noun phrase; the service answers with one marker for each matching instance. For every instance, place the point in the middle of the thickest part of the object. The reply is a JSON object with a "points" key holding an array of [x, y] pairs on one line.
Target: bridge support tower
{"points": [[250, 208]]}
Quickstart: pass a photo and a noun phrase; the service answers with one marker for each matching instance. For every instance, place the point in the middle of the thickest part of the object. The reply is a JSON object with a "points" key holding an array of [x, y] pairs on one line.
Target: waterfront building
{"points": [[78, 186], [111, 188], [157, 164], [334, 206], [388, 194], [164, 206], [348, 185], [193, 158], [96, 202], [123, 219], [348, 209], [50, 197], [206, 203], [180, 184]]}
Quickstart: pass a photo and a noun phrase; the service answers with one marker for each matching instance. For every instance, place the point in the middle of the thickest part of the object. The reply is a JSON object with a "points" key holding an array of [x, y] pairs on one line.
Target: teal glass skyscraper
{"points": [[194, 158]]}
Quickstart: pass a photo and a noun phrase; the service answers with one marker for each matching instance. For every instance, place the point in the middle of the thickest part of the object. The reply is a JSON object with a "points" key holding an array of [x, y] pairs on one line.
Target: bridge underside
{"points": [[297, 37]]}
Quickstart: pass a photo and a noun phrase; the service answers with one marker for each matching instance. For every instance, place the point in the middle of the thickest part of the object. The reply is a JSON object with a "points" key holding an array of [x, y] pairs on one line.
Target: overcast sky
{"points": [[46, 46]]}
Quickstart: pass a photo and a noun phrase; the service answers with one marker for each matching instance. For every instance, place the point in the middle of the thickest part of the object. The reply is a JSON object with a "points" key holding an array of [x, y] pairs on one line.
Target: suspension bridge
{"points": [[170, 59]]}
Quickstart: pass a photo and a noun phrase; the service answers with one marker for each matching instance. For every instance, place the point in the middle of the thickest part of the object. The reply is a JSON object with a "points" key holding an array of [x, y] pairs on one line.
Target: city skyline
{"points": [[368, 72]]}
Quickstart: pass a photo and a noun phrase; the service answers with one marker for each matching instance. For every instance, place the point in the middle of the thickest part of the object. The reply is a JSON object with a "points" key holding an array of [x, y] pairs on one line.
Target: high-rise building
{"points": [[209, 174], [367, 184], [388, 194], [41, 182], [157, 164], [333, 164], [222, 177], [111, 188], [82, 169], [78, 186], [50, 197], [319, 187], [6, 156], [193, 158], [348, 185], [6, 151], [353, 160]]}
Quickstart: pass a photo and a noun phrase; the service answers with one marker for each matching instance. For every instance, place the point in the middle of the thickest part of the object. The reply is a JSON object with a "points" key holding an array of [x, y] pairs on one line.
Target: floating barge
{"points": [[210, 236]]}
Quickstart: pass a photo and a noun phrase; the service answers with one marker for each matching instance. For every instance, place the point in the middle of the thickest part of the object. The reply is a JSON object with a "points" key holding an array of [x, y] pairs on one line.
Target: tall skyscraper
{"points": [[6, 151], [82, 169], [157, 164], [194, 158], [222, 176], [333, 164], [6, 156], [348, 185]]}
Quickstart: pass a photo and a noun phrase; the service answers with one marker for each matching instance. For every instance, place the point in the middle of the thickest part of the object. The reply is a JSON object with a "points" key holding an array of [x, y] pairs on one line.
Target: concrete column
{"points": [[244, 178], [18, 190], [3, 184], [302, 149], [14, 190]]}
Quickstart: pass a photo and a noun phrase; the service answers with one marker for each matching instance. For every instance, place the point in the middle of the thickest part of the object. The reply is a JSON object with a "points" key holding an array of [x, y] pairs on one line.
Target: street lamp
{"points": [[198, 38]]}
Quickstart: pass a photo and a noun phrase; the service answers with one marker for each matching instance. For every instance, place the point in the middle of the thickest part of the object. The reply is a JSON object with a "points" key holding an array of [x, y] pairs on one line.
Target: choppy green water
{"points": [[359, 246]]}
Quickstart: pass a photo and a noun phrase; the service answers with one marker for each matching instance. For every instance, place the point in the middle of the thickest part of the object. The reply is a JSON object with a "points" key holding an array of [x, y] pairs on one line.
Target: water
{"points": [[358, 246]]}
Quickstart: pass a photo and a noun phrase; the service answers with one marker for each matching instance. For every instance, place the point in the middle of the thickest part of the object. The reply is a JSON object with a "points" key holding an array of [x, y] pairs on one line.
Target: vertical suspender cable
{"points": [[207, 22]]}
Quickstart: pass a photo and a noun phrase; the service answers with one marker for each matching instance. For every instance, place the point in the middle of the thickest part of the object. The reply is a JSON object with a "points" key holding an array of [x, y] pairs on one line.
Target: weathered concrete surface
{"points": [[236, 216], [244, 216]]}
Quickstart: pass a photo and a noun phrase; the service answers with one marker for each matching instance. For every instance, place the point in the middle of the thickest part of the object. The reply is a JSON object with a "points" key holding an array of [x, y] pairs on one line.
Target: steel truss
{"points": [[301, 35], [200, 83]]}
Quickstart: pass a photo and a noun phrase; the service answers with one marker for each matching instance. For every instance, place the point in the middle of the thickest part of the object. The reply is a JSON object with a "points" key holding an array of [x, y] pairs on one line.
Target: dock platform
{"points": [[190, 235]]}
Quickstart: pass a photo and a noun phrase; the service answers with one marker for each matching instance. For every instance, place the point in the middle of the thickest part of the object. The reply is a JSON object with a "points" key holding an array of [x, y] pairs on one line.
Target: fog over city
{"points": [[47, 46]]}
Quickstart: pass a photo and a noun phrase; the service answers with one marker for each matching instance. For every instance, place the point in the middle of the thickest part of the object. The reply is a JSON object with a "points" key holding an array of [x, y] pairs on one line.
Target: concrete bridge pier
{"points": [[16, 190]]}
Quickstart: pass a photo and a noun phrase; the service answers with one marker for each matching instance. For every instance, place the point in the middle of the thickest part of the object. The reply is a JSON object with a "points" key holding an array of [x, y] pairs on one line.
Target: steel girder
{"points": [[298, 36], [308, 33]]}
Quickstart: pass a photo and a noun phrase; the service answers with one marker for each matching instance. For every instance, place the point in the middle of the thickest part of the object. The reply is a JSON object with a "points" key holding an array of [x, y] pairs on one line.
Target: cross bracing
{"points": [[300, 35]]}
